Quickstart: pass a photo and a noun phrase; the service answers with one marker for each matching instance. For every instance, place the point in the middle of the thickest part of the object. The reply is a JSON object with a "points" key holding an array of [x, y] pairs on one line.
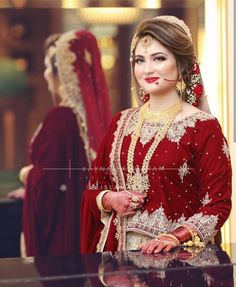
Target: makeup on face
{"points": [[155, 67]]}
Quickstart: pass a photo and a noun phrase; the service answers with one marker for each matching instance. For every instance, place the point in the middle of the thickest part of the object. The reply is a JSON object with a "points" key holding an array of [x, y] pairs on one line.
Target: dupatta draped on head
{"points": [[83, 86]]}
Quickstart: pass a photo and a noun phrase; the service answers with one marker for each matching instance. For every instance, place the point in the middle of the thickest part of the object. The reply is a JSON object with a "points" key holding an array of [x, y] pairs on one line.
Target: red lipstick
{"points": [[151, 79]]}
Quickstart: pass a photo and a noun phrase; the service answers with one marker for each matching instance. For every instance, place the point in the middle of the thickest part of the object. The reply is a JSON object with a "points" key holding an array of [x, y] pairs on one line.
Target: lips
{"points": [[151, 79]]}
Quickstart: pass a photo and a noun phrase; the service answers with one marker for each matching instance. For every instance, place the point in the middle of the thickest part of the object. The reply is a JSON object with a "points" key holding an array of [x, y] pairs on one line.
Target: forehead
{"points": [[152, 46]]}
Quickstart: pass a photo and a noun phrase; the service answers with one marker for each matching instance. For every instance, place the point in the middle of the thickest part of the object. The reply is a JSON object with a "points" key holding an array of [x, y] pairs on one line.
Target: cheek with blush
{"points": [[169, 72], [138, 74]]}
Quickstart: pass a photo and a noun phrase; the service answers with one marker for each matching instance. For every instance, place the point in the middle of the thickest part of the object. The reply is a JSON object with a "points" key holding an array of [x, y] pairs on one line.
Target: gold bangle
{"points": [[99, 200], [23, 173], [192, 232]]}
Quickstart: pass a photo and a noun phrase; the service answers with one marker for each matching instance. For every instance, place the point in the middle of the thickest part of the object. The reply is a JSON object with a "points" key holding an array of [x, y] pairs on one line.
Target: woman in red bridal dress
{"points": [[162, 176], [64, 145]]}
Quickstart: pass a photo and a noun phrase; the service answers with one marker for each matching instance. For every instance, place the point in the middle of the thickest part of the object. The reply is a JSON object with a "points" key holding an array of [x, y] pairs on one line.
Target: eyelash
{"points": [[138, 61], [158, 58]]}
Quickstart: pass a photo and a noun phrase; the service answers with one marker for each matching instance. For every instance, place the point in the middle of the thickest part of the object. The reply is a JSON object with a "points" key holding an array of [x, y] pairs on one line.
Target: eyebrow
{"points": [[153, 55]]}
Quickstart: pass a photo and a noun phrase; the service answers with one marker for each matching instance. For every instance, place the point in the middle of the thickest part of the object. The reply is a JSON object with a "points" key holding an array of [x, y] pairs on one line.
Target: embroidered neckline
{"points": [[176, 130], [196, 114]]}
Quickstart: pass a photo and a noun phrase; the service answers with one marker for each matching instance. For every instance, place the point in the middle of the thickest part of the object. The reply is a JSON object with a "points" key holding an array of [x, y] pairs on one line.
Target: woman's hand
{"points": [[18, 193], [164, 242], [125, 203]]}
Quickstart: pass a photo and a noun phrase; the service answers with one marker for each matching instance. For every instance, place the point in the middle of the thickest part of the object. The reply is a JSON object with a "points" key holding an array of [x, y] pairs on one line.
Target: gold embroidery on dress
{"points": [[204, 225], [176, 131], [70, 88], [206, 199], [225, 149], [183, 171]]}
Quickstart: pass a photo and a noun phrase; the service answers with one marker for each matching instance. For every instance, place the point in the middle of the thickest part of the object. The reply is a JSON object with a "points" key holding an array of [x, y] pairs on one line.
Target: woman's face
{"points": [[48, 72], [155, 67]]}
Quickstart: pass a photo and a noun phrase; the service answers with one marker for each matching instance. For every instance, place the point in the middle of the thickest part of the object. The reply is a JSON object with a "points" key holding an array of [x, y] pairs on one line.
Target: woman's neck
{"points": [[161, 103]]}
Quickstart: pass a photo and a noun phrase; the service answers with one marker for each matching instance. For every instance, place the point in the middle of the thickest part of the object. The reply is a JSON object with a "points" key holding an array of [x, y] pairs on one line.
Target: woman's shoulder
{"points": [[128, 112], [60, 113], [59, 119], [119, 119], [190, 113], [188, 110], [124, 114]]}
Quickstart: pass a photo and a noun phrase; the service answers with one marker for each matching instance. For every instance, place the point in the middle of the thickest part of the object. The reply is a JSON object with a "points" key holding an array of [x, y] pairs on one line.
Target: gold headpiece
{"points": [[167, 18], [146, 41]]}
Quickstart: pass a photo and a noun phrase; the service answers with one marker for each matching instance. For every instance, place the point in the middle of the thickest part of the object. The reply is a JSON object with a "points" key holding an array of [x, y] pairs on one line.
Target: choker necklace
{"points": [[137, 179], [159, 116]]}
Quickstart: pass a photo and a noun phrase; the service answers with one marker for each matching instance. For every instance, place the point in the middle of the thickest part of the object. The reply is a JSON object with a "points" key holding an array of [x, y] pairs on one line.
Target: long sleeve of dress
{"points": [[54, 186], [91, 225], [213, 171]]}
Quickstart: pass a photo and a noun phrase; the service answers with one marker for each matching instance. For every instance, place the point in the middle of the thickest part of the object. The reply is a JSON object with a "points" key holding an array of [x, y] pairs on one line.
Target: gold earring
{"points": [[141, 93], [180, 87]]}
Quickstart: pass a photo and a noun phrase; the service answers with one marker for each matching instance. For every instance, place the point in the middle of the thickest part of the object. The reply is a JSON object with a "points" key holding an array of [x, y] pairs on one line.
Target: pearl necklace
{"points": [[138, 180]]}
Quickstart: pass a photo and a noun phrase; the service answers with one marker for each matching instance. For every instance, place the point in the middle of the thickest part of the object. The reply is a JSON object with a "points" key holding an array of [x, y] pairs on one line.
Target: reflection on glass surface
{"points": [[210, 266], [182, 267]]}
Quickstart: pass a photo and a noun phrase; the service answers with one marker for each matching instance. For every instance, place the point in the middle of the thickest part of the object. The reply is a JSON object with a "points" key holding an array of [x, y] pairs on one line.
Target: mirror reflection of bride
{"points": [[181, 267]]}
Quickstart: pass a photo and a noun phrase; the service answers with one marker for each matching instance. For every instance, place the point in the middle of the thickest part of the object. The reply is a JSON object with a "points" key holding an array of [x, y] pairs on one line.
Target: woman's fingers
{"points": [[156, 246], [160, 247], [17, 194], [168, 247], [148, 247]]}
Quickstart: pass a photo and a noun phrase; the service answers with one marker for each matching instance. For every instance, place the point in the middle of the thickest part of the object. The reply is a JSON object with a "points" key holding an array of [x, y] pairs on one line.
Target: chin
{"points": [[50, 90], [153, 92]]}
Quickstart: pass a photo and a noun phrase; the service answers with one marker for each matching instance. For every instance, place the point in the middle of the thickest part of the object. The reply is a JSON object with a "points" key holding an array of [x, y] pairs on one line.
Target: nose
{"points": [[149, 68], [45, 74]]}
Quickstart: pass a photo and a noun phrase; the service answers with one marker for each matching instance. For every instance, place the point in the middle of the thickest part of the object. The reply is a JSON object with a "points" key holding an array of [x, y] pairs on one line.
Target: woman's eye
{"points": [[138, 61], [160, 58]]}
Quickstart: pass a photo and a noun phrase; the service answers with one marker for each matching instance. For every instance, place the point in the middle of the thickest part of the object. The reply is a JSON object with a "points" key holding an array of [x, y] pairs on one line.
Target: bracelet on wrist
{"points": [[188, 236], [183, 233], [99, 200]]}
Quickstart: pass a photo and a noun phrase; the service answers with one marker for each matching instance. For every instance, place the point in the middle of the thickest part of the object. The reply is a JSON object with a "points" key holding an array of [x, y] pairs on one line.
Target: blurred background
{"points": [[25, 100]]}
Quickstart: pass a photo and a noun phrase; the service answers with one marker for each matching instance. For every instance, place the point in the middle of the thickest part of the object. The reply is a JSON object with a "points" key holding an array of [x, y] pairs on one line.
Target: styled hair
{"points": [[173, 37], [51, 42]]}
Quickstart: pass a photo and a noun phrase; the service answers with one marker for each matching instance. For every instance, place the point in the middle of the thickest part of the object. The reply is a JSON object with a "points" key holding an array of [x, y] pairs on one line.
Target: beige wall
{"points": [[232, 98]]}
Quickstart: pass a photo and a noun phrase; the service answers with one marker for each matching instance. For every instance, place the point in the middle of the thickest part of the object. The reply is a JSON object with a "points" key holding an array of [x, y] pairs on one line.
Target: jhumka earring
{"points": [[180, 87], [143, 95]]}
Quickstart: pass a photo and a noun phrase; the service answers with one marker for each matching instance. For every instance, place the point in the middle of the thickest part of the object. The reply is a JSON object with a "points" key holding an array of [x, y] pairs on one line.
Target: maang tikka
{"points": [[146, 42]]}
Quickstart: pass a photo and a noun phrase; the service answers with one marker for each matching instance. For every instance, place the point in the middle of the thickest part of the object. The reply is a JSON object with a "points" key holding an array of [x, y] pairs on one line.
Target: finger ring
{"points": [[135, 198], [133, 205]]}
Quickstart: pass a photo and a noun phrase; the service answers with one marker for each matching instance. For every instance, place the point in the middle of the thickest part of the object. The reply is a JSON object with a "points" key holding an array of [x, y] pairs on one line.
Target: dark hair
{"points": [[51, 42]]}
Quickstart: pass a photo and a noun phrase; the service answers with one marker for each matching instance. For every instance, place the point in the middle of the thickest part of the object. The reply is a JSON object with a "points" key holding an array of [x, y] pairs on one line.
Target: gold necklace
{"points": [[159, 116], [138, 179]]}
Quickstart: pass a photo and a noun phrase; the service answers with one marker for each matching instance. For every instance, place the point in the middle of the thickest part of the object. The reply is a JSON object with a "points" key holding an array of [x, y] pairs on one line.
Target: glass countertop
{"points": [[210, 266]]}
